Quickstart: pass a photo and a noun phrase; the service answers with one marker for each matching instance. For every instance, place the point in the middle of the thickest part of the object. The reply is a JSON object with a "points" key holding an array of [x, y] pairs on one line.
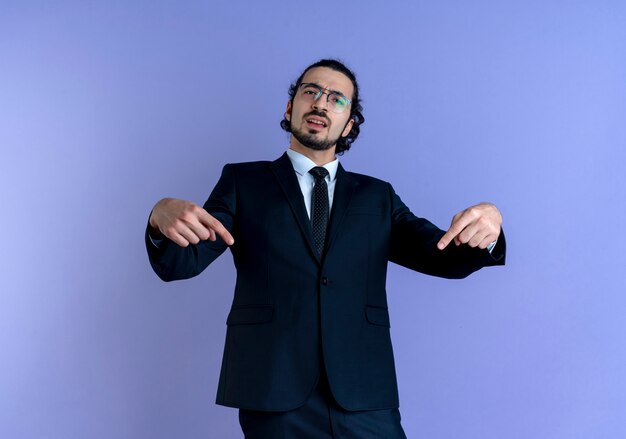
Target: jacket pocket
{"points": [[250, 315], [377, 316]]}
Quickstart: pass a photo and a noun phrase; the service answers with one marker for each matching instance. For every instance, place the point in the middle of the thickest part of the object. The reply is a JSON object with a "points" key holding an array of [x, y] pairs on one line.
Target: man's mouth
{"points": [[316, 122]]}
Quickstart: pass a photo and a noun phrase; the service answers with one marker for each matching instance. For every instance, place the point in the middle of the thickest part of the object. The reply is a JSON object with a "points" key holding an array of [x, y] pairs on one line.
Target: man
{"points": [[308, 352]]}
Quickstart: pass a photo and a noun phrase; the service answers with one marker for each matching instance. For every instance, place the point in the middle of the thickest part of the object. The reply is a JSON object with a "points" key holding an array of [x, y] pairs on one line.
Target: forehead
{"points": [[329, 79]]}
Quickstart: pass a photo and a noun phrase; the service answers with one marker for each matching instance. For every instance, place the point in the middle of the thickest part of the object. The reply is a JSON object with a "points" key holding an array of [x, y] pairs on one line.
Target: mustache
{"points": [[318, 114]]}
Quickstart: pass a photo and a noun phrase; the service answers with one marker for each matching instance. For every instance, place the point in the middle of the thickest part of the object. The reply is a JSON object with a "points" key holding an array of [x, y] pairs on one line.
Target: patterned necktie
{"points": [[319, 207]]}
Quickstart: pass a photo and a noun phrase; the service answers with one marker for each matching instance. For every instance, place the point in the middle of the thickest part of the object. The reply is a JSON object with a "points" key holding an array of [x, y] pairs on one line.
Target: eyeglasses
{"points": [[310, 93]]}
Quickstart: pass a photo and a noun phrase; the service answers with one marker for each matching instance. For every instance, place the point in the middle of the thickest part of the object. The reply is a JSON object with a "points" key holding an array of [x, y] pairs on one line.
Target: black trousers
{"points": [[321, 418]]}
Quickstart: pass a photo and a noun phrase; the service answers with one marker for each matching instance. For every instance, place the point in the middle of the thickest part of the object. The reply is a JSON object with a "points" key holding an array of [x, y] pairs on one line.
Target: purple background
{"points": [[106, 107]]}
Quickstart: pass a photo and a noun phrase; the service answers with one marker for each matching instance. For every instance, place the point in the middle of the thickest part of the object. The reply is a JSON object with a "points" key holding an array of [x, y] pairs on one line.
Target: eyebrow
{"points": [[322, 88]]}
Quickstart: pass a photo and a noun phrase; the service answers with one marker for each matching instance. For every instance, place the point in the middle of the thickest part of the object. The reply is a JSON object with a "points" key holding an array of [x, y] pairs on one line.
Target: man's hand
{"points": [[477, 226], [185, 222]]}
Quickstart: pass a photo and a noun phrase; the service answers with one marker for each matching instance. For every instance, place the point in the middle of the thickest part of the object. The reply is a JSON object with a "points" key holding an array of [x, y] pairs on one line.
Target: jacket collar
{"points": [[344, 187]]}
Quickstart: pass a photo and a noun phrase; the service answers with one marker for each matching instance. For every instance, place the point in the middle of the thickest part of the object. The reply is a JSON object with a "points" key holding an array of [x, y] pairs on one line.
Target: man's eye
{"points": [[338, 99], [309, 92]]}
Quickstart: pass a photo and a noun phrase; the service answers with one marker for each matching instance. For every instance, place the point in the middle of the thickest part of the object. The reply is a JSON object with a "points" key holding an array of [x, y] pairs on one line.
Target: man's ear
{"points": [[288, 111], [348, 127]]}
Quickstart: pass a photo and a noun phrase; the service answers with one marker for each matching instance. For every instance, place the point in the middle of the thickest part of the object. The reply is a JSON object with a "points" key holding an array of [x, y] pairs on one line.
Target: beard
{"points": [[311, 141]]}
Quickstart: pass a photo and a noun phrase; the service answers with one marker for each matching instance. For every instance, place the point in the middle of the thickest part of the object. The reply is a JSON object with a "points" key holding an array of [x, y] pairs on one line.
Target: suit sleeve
{"points": [[414, 245], [172, 262]]}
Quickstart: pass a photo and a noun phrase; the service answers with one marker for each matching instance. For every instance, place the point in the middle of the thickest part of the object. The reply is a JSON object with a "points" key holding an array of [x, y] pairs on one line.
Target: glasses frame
{"points": [[328, 93]]}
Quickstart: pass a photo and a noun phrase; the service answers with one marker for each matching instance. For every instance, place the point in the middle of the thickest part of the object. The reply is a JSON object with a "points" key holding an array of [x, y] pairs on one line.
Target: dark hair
{"points": [[343, 144]]}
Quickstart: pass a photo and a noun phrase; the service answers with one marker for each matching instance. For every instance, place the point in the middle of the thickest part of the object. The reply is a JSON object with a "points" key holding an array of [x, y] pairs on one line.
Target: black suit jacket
{"points": [[294, 312]]}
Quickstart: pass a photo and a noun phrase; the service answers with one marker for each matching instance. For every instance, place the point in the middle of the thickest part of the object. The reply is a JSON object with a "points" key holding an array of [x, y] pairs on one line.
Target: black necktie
{"points": [[319, 207]]}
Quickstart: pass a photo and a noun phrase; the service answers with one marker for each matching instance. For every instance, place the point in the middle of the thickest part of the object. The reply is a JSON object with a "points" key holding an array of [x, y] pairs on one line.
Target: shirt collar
{"points": [[302, 164]]}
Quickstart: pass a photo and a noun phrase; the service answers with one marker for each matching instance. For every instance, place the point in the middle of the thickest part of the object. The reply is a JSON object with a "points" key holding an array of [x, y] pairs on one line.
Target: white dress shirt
{"points": [[302, 165]]}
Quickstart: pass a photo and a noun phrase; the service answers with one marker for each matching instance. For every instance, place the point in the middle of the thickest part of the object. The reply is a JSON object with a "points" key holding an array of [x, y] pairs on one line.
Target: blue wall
{"points": [[106, 107]]}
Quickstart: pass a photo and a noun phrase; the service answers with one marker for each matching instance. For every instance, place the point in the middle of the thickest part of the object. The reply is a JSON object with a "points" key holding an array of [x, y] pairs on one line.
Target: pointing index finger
{"points": [[215, 225], [455, 229]]}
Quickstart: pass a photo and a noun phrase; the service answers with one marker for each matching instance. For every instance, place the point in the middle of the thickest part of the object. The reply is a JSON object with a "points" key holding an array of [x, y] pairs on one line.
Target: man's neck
{"points": [[320, 158]]}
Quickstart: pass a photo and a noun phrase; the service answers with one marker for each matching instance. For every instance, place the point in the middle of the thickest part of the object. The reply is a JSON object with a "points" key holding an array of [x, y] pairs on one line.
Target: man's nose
{"points": [[321, 103]]}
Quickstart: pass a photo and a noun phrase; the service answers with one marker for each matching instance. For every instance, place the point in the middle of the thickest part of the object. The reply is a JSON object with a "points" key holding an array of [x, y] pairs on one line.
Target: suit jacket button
{"points": [[324, 281]]}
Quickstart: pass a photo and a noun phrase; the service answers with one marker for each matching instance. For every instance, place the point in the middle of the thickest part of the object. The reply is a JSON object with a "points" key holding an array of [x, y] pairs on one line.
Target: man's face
{"points": [[313, 124]]}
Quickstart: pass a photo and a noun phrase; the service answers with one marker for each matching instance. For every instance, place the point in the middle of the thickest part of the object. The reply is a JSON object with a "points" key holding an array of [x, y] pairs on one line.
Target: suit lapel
{"points": [[286, 176], [344, 188]]}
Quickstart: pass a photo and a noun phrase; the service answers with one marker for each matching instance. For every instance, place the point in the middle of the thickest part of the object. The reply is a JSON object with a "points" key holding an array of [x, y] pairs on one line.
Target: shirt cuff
{"points": [[155, 241]]}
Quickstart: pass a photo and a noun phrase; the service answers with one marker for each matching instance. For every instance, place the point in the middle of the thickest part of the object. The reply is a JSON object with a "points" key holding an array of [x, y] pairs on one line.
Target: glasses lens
{"points": [[337, 102], [310, 92]]}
